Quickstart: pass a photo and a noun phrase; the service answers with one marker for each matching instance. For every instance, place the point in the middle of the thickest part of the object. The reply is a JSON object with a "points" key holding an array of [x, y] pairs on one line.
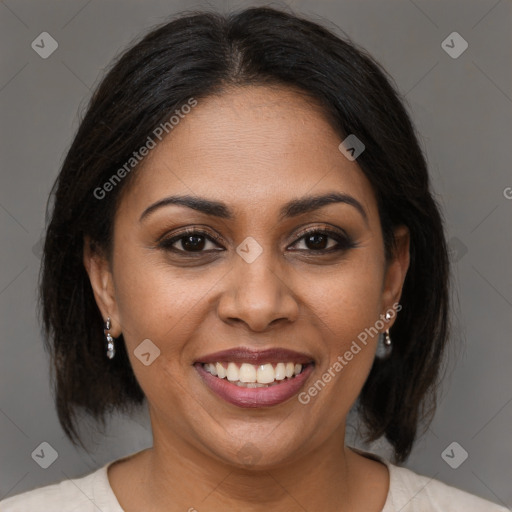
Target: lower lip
{"points": [[254, 397]]}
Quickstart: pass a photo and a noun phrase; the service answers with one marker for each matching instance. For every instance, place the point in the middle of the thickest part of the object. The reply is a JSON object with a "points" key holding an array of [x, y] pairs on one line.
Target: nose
{"points": [[257, 295]]}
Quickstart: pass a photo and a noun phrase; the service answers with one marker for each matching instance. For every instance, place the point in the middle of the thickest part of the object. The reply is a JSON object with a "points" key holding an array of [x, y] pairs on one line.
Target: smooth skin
{"points": [[253, 148]]}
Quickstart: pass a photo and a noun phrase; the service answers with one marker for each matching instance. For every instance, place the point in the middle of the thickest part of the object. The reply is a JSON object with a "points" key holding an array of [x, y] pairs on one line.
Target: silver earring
{"points": [[384, 347], [111, 351]]}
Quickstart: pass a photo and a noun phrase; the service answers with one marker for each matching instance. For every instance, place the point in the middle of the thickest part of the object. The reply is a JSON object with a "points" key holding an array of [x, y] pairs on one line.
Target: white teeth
{"points": [[221, 372], [232, 372], [251, 376], [280, 371], [247, 373], [211, 368], [266, 374]]}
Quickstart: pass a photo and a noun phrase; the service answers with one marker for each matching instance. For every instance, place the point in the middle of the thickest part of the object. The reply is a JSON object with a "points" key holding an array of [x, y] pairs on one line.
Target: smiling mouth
{"points": [[247, 375]]}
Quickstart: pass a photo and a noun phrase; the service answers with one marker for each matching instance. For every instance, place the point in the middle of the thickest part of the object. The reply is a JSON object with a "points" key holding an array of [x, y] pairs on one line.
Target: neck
{"points": [[321, 479]]}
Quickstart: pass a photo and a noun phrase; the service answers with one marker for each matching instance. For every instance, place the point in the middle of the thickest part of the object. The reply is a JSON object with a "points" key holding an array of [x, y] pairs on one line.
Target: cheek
{"points": [[348, 311], [350, 299], [160, 303], [152, 307]]}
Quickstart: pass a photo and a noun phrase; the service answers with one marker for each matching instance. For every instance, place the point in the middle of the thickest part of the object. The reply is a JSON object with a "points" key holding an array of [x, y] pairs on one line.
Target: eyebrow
{"points": [[291, 209]]}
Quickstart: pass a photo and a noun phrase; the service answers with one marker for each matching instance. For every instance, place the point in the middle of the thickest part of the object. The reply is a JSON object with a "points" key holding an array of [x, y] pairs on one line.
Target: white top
{"points": [[408, 492]]}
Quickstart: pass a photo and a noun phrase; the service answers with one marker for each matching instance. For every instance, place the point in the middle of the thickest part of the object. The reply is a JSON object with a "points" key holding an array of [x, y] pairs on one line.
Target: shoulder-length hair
{"points": [[200, 54]]}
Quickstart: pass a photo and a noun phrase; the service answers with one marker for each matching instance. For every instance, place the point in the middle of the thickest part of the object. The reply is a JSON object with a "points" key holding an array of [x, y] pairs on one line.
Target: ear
{"points": [[100, 275], [396, 270]]}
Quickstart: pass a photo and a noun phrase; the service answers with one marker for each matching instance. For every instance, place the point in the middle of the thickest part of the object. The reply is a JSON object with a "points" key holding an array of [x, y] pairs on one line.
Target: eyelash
{"points": [[344, 242]]}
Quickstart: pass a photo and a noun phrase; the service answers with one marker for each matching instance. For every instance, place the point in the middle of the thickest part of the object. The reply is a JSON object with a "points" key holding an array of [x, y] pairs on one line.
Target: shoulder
{"points": [[86, 494], [410, 492]]}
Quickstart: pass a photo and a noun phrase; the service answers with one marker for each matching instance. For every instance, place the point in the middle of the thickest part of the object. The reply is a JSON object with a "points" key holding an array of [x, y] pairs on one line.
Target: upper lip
{"points": [[256, 357]]}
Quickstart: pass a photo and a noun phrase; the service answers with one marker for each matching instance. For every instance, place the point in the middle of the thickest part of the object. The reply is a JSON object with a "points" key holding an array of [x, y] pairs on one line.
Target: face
{"points": [[266, 274]]}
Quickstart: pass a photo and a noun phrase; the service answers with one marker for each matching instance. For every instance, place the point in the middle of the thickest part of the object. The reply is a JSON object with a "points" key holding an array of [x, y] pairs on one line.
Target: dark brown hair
{"points": [[197, 55]]}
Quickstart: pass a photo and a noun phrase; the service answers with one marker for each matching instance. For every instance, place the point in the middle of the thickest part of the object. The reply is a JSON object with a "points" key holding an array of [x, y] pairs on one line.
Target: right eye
{"points": [[190, 240]]}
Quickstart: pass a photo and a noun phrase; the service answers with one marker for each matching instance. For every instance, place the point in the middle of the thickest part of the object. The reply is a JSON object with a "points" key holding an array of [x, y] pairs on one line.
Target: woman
{"points": [[244, 237]]}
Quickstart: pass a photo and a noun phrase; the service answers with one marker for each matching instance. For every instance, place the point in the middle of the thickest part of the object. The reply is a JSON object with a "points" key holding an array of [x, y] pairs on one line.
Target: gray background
{"points": [[463, 110]]}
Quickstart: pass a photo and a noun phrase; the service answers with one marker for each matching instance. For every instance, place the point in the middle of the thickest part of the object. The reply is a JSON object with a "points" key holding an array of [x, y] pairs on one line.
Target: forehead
{"points": [[252, 147]]}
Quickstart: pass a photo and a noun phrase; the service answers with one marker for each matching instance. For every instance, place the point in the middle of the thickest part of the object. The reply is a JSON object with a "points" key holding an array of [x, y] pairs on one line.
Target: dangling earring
{"points": [[384, 347], [111, 351]]}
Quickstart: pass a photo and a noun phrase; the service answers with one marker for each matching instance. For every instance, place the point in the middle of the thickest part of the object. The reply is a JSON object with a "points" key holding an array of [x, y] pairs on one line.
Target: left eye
{"points": [[318, 241]]}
